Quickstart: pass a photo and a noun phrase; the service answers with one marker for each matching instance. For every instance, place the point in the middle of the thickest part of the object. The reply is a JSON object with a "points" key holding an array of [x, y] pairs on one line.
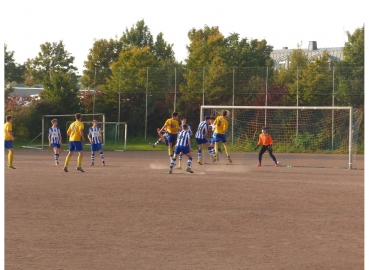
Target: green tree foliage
{"points": [[53, 57], [59, 89], [103, 53], [350, 71], [12, 71]]}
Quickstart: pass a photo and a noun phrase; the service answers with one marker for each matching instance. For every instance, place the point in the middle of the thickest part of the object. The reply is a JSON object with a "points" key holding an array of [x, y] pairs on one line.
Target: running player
{"points": [[221, 126], [95, 138], [163, 138], [75, 133], [9, 139], [171, 126], [200, 136], [183, 145], [55, 140], [265, 139]]}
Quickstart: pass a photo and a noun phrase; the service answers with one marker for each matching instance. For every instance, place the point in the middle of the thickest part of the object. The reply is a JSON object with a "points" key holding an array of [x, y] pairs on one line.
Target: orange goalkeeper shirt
{"points": [[265, 139]]}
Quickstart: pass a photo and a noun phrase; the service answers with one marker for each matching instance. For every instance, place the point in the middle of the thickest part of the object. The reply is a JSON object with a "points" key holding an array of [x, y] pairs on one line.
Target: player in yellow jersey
{"points": [[76, 137], [172, 127], [221, 126], [9, 139]]}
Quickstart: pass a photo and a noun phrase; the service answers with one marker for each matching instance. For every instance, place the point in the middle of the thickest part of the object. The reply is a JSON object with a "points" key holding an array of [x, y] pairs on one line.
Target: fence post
{"points": [[203, 86], [333, 110], [147, 85], [266, 96], [175, 88]]}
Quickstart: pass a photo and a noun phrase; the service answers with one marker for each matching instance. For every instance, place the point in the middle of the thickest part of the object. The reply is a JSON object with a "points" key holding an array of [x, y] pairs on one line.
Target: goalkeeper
{"points": [[267, 142]]}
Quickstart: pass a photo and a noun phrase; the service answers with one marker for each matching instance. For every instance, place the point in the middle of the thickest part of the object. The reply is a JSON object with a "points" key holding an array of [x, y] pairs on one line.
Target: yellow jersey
{"points": [[74, 131], [8, 127], [221, 125], [172, 126]]}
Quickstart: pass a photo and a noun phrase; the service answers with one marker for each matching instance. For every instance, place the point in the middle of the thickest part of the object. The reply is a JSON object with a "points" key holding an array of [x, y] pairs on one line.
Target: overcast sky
{"points": [[282, 23]]}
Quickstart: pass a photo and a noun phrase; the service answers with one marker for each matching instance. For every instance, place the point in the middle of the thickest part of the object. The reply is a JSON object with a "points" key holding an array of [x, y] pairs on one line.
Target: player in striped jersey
{"points": [[183, 122], [171, 126], [163, 138], [200, 136], [55, 140], [94, 135], [221, 126], [183, 145]]}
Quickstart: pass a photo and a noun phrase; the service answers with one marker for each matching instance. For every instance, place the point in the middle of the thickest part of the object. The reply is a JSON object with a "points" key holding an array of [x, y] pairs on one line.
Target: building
{"points": [[282, 57]]}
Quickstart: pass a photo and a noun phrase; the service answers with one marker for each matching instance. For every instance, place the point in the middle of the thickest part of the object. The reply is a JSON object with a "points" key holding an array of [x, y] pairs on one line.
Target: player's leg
{"points": [[180, 156], [173, 159], [79, 158], [199, 154], [56, 156], [99, 147], [270, 150], [92, 148], [226, 148], [70, 154], [261, 152], [189, 162], [9, 146]]}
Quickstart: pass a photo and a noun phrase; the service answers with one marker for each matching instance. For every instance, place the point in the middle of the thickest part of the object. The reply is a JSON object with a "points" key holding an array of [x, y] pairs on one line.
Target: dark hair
{"points": [[8, 117], [174, 114], [183, 118], [78, 116], [224, 113], [54, 120], [212, 117], [207, 117]]}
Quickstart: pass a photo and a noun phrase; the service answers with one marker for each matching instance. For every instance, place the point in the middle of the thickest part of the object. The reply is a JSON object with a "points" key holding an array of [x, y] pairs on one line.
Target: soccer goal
{"points": [[41, 140], [303, 136]]}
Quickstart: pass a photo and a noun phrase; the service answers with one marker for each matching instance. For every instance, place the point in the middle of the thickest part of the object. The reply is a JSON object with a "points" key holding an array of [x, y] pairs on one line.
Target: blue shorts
{"points": [[96, 147], [219, 137], [53, 145], [8, 144], [75, 146], [166, 142], [184, 149], [212, 140], [172, 138], [201, 141]]}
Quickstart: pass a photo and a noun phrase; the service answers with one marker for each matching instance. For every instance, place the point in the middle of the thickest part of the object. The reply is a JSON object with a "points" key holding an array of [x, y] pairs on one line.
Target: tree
{"points": [[53, 57], [13, 71], [103, 53], [60, 89]]}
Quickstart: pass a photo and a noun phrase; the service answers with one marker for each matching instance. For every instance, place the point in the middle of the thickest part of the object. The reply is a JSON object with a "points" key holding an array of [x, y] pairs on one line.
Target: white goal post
{"points": [[295, 130]]}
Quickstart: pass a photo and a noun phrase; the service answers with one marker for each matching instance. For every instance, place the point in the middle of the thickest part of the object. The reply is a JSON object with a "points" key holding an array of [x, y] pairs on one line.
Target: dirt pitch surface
{"points": [[132, 214]]}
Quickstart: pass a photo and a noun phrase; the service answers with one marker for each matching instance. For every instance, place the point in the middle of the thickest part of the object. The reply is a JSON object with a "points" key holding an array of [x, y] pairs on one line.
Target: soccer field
{"points": [[132, 214]]}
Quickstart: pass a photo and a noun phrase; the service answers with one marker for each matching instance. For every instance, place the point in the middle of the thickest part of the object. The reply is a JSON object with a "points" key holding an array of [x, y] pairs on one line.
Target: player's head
{"points": [[212, 119], [54, 122], [9, 118], [78, 116], [175, 115], [94, 123], [224, 113], [185, 127], [264, 129], [207, 119], [183, 120]]}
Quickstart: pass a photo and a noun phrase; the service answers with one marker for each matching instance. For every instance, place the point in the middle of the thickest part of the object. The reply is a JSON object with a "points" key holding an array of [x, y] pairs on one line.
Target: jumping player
{"points": [[163, 138], [221, 126], [55, 140], [267, 142], [95, 138], [183, 145], [171, 126]]}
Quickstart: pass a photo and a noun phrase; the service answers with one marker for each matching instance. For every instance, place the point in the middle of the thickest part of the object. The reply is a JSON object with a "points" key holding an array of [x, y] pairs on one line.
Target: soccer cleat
{"points": [[189, 170], [220, 150], [92, 164], [170, 171], [153, 145], [65, 169], [276, 165], [213, 158], [11, 166], [103, 163], [80, 169], [56, 163], [229, 159], [200, 163], [259, 165]]}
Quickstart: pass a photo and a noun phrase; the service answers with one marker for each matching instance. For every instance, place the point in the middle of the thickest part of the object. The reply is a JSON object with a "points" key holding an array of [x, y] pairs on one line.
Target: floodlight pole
{"points": [[120, 75]]}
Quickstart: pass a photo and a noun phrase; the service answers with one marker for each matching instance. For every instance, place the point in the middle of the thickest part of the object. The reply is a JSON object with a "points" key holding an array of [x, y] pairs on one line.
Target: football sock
{"points": [[102, 156], [67, 159], [79, 161]]}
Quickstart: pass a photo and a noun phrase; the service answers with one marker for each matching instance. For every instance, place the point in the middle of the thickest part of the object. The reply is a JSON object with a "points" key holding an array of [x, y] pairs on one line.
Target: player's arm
{"points": [[164, 127], [82, 135], [11, 135], [69, 131], [48, 137], [259, 142], [60, 137]]}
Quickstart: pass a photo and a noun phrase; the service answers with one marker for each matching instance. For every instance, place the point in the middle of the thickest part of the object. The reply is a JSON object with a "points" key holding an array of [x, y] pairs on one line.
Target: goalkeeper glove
{"points": [[256, 147]]}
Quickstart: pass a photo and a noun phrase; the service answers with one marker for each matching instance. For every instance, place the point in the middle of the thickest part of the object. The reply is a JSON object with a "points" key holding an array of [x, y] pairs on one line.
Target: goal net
{"points": [[302, 136]]}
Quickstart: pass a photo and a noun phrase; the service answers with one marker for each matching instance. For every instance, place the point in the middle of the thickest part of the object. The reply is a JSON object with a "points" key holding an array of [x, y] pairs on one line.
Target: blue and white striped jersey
{"points": [[189, 129], [201, 130], [94, 134], [54, 134], [182, 138]]}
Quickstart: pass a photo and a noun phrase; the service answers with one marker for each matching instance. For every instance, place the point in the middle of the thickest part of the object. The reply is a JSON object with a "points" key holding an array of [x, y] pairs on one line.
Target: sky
{"points": [[28, 24]]}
